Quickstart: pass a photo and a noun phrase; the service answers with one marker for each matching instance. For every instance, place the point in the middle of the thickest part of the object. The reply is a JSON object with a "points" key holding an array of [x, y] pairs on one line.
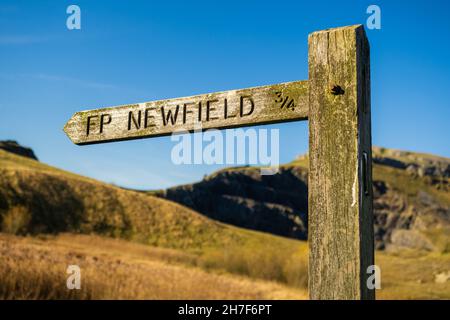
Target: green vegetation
{"points": [[132, 245]]}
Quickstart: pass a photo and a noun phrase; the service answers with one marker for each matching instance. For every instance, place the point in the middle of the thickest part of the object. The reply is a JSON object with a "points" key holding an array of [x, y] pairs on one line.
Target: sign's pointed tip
{"points": [[67, 128]]}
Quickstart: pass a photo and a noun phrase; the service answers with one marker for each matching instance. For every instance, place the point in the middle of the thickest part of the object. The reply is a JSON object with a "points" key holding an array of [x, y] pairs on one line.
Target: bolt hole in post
{"points": [[337, 90]]}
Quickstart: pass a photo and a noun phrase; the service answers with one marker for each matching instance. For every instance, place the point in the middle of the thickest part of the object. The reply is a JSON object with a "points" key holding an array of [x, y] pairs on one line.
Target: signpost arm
{"points": [[340, 175]]}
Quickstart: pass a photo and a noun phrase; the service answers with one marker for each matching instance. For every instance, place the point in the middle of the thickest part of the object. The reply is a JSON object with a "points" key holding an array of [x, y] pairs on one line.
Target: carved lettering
{"points": [[104, 122], [234, 108], [132, 119], [209, 109], [88, 127], [147, 117], [186, 111], [241, 106], [170, 116]]}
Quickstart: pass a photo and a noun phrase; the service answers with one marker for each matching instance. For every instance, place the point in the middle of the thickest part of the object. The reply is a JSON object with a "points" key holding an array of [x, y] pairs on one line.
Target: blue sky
{"points": [[134, 51]]}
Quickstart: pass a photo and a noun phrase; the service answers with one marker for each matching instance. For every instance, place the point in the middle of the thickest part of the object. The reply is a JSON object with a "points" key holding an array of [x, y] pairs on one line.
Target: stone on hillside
{"points": [[402, 238]]}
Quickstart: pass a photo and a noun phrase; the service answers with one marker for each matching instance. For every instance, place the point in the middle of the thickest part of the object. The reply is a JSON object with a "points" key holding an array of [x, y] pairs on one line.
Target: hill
{"points": [[134, 245], [411, 199], [36, 198], [39, 199]]}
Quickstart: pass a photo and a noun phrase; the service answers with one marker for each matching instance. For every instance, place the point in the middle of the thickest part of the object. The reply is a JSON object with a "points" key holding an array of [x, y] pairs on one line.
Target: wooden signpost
{"points": [[228, 109], [336, 101]]}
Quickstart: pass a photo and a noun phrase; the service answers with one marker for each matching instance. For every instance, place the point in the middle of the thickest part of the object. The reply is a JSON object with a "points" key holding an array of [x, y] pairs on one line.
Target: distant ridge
{"points": [[411, 199], [411, 203]]}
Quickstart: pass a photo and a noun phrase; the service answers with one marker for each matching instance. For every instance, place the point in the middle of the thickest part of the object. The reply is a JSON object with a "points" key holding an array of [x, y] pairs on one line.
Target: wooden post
{"points": [[340, 175]]}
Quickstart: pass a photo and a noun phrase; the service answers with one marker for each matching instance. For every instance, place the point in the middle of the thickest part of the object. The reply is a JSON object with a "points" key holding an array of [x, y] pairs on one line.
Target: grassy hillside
{"points": [[36, 198], [39, 199], [133, 245]]}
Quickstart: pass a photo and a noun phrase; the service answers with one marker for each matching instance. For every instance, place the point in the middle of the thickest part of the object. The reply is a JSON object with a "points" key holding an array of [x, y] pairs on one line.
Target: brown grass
{"points": [[410, 274], [16, 220], [287, 265], [34, 268]]}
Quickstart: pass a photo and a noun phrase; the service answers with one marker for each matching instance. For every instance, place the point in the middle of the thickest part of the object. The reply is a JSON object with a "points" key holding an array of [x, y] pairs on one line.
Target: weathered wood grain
{"points": [[340, 193], [236, 108]]}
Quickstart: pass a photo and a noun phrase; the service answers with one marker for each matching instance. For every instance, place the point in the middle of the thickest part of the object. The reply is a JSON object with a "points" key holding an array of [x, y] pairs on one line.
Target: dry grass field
{"points": [[35, 268], [411, 274]]}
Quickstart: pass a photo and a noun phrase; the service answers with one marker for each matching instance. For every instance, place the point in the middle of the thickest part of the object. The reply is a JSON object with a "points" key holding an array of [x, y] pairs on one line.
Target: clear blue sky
{"points": [[134, 51]]}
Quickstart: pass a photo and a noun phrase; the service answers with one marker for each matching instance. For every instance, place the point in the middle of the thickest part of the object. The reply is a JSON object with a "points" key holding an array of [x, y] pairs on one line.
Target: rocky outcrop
{"points": [[411, 199], [402, 220], [414, 163], [14, 147], [243, 197]]}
